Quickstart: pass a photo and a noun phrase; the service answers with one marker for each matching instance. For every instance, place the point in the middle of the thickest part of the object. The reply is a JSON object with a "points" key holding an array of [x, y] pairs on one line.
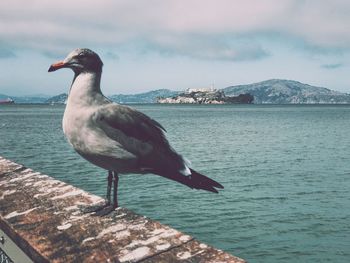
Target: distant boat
{"points": [[7, 101]]}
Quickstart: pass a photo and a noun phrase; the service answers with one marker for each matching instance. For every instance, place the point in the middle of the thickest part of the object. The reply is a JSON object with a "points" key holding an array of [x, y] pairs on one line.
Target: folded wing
{"points": [[145, 138]]}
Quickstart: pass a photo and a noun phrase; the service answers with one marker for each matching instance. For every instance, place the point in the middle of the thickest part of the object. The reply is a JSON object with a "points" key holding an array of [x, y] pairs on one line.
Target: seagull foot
{"points": [[96, 208], [104, 211]]}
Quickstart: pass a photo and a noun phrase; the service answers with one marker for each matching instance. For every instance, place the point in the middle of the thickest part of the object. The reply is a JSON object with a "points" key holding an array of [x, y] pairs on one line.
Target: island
{"points": [[206, 96]]}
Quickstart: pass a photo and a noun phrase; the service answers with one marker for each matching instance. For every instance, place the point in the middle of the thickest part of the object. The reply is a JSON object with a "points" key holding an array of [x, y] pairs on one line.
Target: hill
{"points": [[277, 91], [146, 97], [59, 99]]}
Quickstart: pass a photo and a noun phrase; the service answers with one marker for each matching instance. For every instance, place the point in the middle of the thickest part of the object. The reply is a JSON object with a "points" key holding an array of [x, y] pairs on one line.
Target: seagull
{"points": [[115, 137]]}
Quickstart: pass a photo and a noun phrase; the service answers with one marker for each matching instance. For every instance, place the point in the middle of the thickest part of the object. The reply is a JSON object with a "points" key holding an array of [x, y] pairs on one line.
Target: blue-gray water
{"points": [[286, 172]]}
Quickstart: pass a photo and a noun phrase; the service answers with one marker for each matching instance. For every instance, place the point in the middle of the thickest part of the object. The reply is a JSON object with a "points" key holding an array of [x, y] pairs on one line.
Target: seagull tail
{"points": [[195, 180], [200, 181]]}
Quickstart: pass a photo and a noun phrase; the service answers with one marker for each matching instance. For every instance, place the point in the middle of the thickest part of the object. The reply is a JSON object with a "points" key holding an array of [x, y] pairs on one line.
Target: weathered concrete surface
{"points": [[46, 219]]}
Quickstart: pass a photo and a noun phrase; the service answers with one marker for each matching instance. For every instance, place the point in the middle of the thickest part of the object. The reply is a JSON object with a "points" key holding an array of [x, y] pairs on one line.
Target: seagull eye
{"points": [[80, 55]]}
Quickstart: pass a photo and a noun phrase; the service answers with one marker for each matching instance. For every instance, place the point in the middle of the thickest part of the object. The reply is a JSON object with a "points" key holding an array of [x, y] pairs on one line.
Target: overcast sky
{"points": [[175, 44]]}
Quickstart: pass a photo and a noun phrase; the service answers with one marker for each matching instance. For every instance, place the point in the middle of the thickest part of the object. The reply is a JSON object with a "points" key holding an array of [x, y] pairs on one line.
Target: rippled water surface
{"points": [[286, 172]]}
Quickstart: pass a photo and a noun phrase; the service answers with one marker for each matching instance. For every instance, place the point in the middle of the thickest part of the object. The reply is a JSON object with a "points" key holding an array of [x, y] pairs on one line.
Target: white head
{"points": [[80, 60]]}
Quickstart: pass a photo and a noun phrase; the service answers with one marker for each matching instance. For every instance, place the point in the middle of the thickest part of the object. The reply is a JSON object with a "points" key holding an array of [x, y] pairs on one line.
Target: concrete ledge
{"points": [[44, 217]]}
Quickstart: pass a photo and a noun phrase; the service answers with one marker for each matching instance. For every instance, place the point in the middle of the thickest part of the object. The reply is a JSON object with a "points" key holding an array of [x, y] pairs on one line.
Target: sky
{"points": [[175, 44]]}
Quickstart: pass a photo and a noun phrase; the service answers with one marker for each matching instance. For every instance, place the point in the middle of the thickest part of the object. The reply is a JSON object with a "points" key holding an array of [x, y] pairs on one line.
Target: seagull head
{"points": [[80, 60]]}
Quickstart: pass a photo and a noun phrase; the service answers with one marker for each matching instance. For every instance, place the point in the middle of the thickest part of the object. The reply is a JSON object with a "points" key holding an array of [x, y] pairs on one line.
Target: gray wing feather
{"points": [[131, 127]]}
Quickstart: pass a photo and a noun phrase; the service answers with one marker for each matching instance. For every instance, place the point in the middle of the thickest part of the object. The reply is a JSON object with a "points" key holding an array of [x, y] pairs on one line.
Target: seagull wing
{"points": [[135, 131], [145, 138]]}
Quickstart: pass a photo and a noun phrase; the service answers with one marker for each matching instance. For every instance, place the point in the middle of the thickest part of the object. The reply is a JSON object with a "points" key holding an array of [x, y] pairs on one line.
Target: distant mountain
{"points": [[147, 97], [277, 91], [59, 99], [274, 91]]}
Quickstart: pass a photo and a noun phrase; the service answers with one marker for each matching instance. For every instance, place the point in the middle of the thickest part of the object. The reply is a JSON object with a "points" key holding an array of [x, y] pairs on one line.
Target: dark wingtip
{"points": [[212, 189], [204, 182], [218, 185], [51, 68]]}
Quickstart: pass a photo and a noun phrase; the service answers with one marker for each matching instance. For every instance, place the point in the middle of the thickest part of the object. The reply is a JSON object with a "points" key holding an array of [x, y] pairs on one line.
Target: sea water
{"points": [[286, 172]]}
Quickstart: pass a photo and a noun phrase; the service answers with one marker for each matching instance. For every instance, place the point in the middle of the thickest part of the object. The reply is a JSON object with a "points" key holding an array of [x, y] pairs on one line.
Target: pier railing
{"points": [[44, 220]]}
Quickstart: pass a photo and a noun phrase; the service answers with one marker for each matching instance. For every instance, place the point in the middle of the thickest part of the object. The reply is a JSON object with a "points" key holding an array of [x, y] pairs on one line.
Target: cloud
{"points": [[332, 66], [226, 30], [206, 47]]}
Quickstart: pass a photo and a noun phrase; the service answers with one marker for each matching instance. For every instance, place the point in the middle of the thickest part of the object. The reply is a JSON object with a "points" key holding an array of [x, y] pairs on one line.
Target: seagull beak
{"points": [[56, 66]]}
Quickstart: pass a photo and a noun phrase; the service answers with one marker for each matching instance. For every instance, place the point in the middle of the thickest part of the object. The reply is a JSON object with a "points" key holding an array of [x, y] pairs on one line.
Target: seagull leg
{"points": [[115, 190], [106, 208], [109, 187]]}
